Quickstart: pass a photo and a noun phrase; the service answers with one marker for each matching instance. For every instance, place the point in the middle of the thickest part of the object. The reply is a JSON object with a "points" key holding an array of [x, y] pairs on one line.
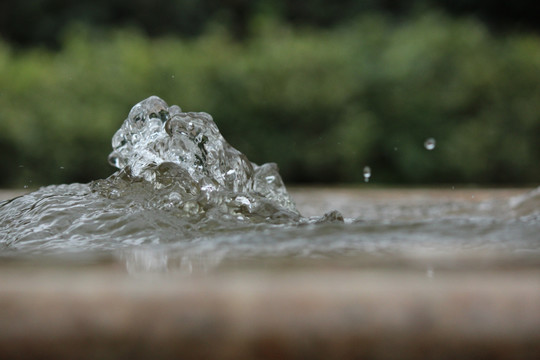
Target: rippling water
{"points": [[184, 199]]}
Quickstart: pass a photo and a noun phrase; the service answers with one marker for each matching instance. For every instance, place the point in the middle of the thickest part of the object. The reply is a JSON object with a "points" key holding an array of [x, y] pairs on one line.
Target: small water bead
{"points": [[175, 197], [163, 115], [208, 188], [172, 126], [430, 272], [367, 173], [201, 139], [114, 160], [429, 144], [243, 200], [154, 125], [137, 118], [179, 124], [118, 140], [174, 110]]}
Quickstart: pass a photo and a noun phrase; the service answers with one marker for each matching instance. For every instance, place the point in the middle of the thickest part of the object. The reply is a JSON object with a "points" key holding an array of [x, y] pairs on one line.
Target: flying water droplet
{"points": [[367, 173], [430, 144], [430, 272]]}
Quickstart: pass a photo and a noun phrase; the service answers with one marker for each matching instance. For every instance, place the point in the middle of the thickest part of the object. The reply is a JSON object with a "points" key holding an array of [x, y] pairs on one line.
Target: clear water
{"points": [[184, 199], [430, 143]]}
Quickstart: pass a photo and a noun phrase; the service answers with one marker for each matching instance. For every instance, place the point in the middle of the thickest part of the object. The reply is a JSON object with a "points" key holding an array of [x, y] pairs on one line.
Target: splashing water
{"points": [[183, 197], [177, 177], [184, 156]]}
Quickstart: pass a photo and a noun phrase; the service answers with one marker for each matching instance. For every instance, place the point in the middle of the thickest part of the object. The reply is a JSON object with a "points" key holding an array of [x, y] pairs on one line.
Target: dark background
{"points": [[42, 22], [323, 88]]}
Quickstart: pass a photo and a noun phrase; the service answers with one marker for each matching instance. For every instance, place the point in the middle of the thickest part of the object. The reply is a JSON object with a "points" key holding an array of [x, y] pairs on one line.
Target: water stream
{"points": [[184, 199]]}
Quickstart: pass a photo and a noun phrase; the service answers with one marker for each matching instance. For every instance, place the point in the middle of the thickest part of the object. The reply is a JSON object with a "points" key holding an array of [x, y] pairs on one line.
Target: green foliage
{"points": [[320, 103], [41, 22]]}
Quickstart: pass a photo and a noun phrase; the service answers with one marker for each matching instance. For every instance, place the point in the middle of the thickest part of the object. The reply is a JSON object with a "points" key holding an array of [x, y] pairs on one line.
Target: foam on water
{"points": [[183, 196]]}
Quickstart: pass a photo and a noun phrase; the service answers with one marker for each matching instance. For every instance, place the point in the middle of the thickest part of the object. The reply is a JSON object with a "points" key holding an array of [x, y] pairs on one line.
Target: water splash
{"points": [[178, 179], [184, 198], [184, 154]]}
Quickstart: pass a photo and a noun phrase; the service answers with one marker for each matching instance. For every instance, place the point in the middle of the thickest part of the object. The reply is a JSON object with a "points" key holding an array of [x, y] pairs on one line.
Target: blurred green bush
{"points": [[320, 103]]}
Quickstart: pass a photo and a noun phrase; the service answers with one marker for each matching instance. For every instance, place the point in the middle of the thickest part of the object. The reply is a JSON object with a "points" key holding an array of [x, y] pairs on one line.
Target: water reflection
{"points": [[166, 260], [423, 232]]}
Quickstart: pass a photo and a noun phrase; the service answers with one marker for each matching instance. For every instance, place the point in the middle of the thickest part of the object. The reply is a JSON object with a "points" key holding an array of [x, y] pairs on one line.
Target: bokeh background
{"points": [[323, 88]]}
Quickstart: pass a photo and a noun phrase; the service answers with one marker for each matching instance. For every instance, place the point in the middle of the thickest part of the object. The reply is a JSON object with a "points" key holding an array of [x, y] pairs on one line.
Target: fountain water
{"points": [[182, 192]]}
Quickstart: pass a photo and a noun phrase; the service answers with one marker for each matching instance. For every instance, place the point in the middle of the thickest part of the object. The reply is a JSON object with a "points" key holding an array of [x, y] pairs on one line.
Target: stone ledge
{"points": [[101, 312]]}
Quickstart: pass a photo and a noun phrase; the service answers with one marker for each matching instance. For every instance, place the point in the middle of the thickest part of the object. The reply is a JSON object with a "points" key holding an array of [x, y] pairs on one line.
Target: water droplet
{"points": [[163, 115], [114, 160], [25, 186], [175, 197], [367, 173], [61, 168], [172, 125], [208, 188], [191, 207], [242, 200], [430, 144], [395, 149]]}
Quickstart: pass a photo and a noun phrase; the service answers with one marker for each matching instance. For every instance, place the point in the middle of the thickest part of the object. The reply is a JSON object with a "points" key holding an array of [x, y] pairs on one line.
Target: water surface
{"points": [[184, 199]]}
